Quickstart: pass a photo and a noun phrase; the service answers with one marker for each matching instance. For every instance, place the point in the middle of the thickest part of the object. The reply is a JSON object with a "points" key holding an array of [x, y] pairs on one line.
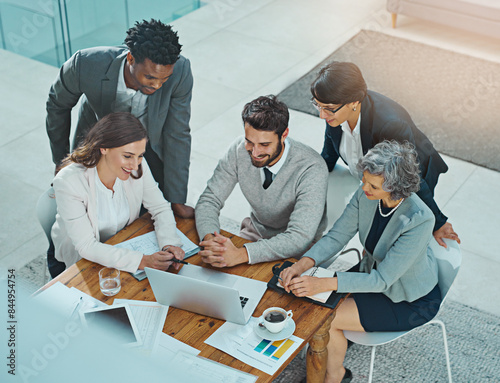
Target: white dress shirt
{"points": [[130, 100], [350, 146], [274, 169], [113, 210]]}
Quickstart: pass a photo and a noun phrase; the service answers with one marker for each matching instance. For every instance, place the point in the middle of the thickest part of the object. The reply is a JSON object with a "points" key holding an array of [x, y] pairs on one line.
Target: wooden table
{"points": [[312, 321]]}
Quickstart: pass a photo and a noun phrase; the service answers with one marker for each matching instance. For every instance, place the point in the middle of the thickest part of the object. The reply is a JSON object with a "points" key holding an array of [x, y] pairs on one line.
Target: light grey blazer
{"points": [[406, 268], [93, 74]]}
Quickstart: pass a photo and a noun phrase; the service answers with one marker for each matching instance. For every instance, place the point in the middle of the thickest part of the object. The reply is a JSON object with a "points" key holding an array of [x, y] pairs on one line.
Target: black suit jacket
{"points": [[384, 119]]}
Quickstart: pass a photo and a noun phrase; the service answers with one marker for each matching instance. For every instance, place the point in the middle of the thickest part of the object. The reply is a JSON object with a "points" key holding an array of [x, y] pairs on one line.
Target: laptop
{"points": [[207, 292]]}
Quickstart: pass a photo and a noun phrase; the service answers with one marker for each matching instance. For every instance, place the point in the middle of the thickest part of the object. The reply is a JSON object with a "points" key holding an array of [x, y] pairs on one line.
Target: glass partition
{"points": [[33, 30], [52, 30]]}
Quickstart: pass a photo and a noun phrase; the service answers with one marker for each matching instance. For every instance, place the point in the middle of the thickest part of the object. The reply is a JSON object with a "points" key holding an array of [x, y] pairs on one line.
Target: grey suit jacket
{"points": [[405, 266], [92, 74]]}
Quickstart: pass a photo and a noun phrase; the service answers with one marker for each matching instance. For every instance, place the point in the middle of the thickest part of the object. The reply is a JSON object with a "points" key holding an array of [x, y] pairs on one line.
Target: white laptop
{"points": [[208, 292]]}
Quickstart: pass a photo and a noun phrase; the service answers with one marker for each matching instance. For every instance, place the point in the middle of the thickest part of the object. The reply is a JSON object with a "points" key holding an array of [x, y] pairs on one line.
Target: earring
{"points": [[354, 109]]}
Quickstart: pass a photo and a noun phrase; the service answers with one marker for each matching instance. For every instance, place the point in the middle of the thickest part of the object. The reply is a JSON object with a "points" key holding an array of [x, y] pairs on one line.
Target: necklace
{"points": [[392, 211]]}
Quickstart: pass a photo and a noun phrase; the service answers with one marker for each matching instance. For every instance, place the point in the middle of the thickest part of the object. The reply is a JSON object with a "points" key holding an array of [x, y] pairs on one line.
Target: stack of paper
{"points": [[149, 318]]}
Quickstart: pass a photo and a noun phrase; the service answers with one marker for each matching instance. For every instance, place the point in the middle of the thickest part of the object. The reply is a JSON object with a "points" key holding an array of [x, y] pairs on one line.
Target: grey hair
{"points": [[397, 163]]}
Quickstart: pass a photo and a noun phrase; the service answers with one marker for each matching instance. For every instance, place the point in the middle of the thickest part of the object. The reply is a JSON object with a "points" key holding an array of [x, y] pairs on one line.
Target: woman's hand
{"points": [[307, 286], [162, 260], [294, 271]]}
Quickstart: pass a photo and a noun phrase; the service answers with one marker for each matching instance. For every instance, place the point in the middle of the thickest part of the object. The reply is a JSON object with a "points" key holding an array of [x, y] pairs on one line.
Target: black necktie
{"points": [[269, 178]]}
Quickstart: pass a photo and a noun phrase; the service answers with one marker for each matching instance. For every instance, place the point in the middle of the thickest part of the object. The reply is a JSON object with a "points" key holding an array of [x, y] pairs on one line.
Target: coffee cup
{"points": [[275, 319]]}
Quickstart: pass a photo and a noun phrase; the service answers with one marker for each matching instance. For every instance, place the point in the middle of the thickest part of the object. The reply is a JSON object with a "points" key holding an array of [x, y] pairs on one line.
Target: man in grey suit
{"points": [[148, 78]]}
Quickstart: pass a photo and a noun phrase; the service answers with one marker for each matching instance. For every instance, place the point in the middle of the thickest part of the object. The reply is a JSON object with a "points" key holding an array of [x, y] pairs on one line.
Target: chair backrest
{"points": [[449, 261], [46, 210]]}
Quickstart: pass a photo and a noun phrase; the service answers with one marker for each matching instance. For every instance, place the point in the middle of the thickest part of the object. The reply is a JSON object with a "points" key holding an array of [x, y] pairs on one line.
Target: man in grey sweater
{"points": [[283, 180]]}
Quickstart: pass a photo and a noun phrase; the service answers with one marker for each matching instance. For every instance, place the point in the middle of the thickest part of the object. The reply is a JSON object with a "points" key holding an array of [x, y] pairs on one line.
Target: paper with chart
{"points": [[149, 318], [241, 342], [148, 244]]}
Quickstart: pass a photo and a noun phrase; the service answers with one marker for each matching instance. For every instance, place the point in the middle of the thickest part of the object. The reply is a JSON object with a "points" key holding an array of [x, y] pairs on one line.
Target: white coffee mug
{"points": [[275, 319]]}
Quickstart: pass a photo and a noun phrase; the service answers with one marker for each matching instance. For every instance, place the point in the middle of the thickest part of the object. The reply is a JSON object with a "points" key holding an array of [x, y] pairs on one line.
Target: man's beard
{"points": [[272, 157]]}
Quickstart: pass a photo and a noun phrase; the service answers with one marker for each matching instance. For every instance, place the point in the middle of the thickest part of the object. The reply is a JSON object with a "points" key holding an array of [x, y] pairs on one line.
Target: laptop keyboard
{"points": [[243, 301]]}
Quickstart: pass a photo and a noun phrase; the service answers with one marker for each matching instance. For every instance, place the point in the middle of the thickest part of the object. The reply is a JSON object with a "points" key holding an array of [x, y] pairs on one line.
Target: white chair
{"points": [[449, 261], [46, 209]]}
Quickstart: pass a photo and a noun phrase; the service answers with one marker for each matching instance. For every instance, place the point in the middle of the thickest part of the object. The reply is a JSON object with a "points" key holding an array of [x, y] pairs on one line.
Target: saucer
{"points": [[287, 331]]}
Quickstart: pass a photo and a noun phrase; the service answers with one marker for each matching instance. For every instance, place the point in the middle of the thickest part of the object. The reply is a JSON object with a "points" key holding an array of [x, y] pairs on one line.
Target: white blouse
{"points": [[351, 148], [113, 210]]}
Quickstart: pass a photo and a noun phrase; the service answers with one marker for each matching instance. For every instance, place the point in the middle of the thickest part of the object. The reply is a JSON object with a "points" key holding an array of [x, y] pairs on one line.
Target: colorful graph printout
{"points": [[241, 341], [275, 349]]}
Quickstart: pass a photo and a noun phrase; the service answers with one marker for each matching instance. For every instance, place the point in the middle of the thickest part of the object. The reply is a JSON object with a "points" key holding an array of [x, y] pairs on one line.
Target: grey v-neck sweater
{"points": [[289, 215]]}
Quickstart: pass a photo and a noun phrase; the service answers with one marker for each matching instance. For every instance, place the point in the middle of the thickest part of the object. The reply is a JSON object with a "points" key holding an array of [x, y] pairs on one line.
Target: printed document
{"points": [[241, 342], [148, 244], [149, 318], [198, 369]]}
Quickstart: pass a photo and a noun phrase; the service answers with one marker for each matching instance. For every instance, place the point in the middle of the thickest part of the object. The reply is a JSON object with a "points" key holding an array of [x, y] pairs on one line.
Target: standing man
{"points": [[148, 78], [283, 180]]}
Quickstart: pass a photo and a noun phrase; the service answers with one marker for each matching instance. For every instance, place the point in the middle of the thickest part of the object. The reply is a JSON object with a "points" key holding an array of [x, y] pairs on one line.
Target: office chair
{"points": [[449, 261], [46, 210]]}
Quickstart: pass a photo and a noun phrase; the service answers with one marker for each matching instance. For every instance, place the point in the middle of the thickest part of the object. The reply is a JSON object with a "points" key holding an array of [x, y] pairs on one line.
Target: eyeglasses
{"points": [[328, 110]]}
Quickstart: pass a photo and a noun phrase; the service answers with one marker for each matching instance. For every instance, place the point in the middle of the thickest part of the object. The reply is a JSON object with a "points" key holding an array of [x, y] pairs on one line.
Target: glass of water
{"points": [[109, 281]]}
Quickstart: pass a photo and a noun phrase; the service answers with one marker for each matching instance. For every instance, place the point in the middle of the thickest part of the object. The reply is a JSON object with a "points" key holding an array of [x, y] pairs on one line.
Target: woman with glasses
{"points": [[100, 190], [357, 119], [394, 287]]}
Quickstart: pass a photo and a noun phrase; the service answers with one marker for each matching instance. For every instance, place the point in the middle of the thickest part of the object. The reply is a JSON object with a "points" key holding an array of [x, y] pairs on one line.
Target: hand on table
{"points": [[295, 271], [445, 231], [182, 211], [219, 251]]}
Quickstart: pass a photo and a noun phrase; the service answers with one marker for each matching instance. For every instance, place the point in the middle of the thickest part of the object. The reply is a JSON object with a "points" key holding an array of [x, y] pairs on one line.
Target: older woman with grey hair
{"points": [[394, 288]]}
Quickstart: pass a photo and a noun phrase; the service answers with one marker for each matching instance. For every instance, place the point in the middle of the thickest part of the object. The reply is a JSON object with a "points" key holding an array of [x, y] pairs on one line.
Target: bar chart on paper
{"points": [[274, 350], [241, 342]]}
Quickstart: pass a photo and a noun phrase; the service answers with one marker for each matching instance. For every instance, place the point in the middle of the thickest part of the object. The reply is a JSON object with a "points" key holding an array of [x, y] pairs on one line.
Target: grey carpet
{"points": [[473, 341], [453, 98]]}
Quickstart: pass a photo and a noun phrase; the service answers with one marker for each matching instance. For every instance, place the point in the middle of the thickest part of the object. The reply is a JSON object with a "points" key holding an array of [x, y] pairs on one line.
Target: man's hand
{"points": [[445, 231], [182, 211], [219, 251]]}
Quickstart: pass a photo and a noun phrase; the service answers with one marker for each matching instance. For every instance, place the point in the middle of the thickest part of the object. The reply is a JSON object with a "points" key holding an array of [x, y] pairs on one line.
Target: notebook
{"points": [[331, 302], [319, 272]]}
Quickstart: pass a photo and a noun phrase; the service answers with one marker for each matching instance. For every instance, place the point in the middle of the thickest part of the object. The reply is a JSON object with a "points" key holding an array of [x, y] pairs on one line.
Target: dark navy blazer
{"points": [[384, 119]]}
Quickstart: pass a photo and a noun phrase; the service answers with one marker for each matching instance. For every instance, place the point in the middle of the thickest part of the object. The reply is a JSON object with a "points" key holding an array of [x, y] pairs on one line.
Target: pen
{"points": [[77, 306], [179, 261]]}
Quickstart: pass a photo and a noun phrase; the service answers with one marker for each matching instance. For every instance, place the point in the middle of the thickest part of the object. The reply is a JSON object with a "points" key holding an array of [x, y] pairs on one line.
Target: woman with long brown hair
{"points": [[100, 190]]}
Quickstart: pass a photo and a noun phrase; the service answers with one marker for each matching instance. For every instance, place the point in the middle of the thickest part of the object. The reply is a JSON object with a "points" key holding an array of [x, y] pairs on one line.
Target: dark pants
{"points": [[55, 267], [156, 166]]}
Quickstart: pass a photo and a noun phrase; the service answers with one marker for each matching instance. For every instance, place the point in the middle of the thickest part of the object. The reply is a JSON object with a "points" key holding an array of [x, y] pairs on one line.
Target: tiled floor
{"points": [[240, 50]]}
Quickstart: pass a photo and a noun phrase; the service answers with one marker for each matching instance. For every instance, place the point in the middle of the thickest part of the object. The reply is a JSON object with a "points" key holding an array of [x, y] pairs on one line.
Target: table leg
{"points": [[317, 353]]}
